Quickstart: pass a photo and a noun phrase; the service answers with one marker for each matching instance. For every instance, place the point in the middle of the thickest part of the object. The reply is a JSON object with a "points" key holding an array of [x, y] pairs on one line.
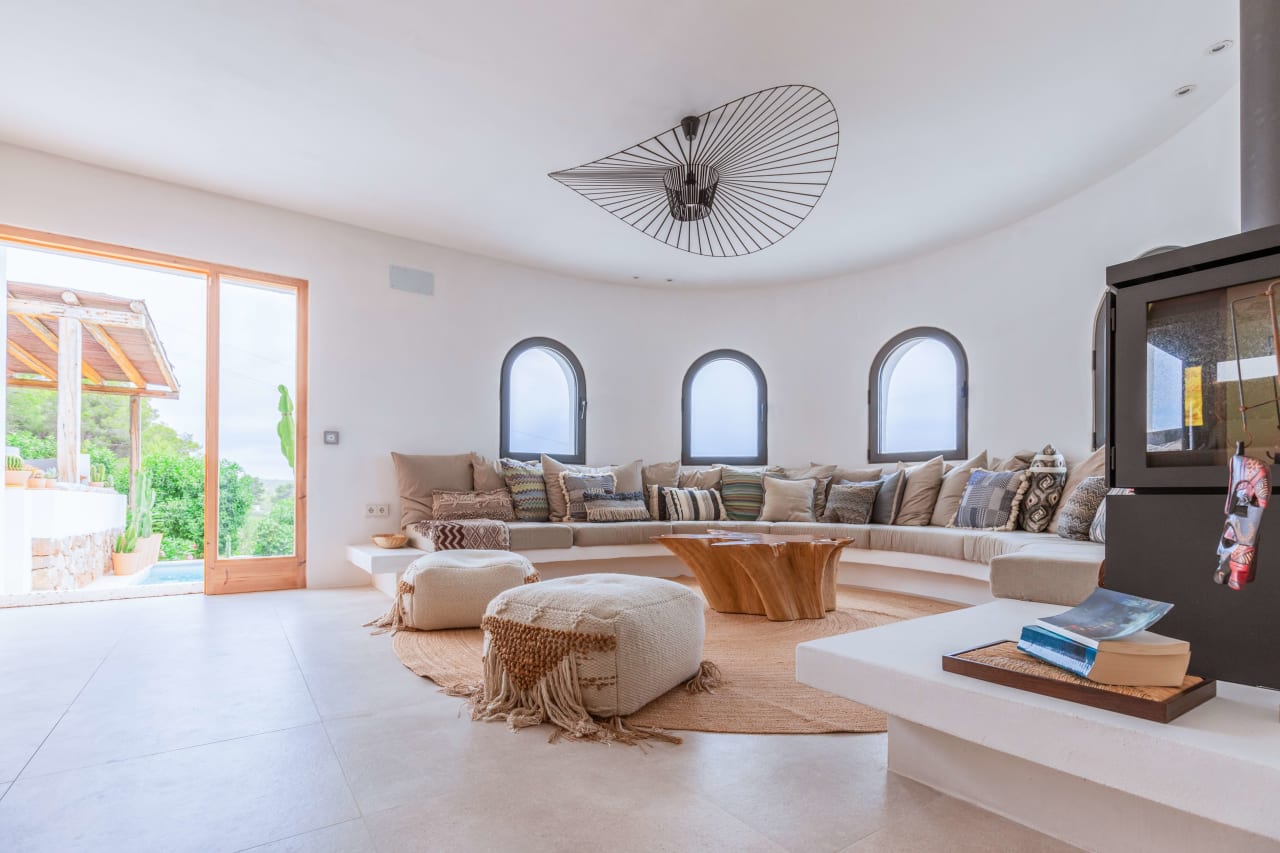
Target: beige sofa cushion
{"points": [[451, 589], [700, 477], [1092, 466], [788, 500], [532, 535], [952, 490], [920, 493], [930, 541], [486, 476], [417, 476], [813, 471], [859, 533], [1063, 572], [733, 526], [618, 533]]}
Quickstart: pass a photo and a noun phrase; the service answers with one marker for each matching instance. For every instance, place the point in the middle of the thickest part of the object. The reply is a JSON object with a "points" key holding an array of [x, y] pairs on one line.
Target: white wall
{"points": [[396, 371]]}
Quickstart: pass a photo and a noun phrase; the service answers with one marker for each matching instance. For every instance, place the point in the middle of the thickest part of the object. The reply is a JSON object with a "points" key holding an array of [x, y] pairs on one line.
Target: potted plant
{"points": [[37, 479], [98, 475], [127, 557], [50, 477], [148, 541], [14, 473]]}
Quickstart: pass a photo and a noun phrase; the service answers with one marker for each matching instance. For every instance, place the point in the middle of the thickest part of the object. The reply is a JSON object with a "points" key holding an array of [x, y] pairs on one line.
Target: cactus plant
{"points": [[144, 502], [127, 541], [97, 473], [13, 463]]}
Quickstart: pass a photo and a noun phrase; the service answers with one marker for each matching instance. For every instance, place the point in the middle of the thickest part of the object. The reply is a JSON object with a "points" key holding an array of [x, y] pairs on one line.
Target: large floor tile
{"points": [[349, 837], [957, 827], [221, 797], [23, 728]]}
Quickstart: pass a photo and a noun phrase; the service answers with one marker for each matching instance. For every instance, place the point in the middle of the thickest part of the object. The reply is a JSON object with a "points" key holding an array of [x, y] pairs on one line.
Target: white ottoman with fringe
{"points": [[583, 652], [451, 589]]}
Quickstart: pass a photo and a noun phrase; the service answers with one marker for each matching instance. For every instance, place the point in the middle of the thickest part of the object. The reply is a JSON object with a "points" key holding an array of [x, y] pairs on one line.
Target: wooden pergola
{"points": [[121, 354]]}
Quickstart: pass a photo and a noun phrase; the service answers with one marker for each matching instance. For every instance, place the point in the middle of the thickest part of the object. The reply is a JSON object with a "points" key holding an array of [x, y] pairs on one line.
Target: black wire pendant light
{"points": [[729, 182]]}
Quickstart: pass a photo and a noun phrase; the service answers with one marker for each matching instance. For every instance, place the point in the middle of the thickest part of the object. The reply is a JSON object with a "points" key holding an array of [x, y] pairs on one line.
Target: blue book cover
{"points": [[1058, 650], [1107, 615]]}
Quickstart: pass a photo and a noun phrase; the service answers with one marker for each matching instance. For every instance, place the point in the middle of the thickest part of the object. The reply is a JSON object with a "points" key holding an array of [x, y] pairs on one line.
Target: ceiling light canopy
{"points": [[729, 182]]}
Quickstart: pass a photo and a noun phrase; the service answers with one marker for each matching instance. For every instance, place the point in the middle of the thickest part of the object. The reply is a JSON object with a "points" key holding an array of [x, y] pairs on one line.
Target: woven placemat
{"points": [[1006, 656]]}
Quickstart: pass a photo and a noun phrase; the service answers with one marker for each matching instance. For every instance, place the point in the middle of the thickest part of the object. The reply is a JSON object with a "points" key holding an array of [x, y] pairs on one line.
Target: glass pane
{"points": [[724, 407], [918, 398], [258, 368], [1196, 384], [543, 403]]}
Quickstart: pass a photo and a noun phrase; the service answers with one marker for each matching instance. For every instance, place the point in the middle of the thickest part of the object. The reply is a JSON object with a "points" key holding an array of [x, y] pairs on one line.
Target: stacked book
{"points": [[1105, 640]]}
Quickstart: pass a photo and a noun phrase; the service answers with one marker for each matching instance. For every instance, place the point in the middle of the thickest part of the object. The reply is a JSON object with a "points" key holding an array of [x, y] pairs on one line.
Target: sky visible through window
{"points": [[541, 406], [918, 398], [724, 406], [256, 355]]}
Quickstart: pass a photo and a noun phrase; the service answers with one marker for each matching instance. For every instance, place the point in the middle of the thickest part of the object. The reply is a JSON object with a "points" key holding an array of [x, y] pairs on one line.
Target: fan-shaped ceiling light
{"points": [[729, 182]]}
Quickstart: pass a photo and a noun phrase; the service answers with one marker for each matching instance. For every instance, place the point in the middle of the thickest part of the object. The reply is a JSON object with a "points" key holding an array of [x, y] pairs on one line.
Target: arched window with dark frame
{"points": [[543, 402], [919, 398], [724, 410]]}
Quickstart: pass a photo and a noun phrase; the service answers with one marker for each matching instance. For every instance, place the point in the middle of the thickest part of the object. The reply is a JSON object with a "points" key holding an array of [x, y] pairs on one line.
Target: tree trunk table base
{"points": [[781, 577]]}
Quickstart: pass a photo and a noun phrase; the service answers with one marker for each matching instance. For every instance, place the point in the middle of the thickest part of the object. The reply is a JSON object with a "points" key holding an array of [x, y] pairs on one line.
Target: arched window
{"points": [[919, 398], [543, 402], [725, 411]]}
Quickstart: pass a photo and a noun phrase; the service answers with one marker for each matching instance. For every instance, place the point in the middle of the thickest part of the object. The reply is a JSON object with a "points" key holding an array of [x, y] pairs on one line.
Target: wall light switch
{"points": [[331, 436]]}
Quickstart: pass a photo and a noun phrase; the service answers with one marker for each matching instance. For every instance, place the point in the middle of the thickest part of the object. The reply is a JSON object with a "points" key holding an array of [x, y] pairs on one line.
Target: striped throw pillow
{"points": [[575, 485], [692, 504], [615, 506], [528, 489], [743, 492]]}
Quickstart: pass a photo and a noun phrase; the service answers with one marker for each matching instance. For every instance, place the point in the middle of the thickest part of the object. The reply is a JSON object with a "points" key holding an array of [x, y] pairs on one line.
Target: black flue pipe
{"points": [[1259, 113]]}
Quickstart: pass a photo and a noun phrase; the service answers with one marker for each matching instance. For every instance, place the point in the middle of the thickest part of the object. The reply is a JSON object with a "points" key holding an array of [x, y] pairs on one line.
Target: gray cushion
{"points": [[531, 535], [587, 534], [889, 499], [1078, 510], [851, 503]]}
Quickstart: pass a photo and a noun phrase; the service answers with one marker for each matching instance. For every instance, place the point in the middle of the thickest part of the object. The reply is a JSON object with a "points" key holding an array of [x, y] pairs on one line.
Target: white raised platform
{"points": [[50, 514], [1097, 779]]}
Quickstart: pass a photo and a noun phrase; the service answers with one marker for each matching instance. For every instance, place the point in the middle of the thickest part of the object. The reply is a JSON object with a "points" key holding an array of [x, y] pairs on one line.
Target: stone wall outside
{"points": [[71, 562]]}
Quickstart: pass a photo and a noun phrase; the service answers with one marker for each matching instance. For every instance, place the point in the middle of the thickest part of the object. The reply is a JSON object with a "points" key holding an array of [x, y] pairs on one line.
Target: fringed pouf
{"points": [[450, 589], [583, 652]]}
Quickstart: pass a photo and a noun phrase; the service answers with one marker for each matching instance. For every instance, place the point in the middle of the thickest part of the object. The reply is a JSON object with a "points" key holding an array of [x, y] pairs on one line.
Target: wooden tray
{"points": [[1002, 663]]}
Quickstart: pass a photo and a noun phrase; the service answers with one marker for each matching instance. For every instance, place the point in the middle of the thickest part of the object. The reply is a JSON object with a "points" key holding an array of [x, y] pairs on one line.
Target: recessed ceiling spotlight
{"points": [[1220, 46], [1183, 91]]}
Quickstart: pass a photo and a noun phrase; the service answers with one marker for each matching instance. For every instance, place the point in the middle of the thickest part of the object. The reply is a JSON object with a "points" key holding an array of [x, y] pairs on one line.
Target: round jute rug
{"points": [[760, 694]]}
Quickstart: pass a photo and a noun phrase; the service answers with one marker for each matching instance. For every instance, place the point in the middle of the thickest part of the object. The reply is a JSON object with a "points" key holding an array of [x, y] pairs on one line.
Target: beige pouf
{"points": [[583, 652], [450, 589]]}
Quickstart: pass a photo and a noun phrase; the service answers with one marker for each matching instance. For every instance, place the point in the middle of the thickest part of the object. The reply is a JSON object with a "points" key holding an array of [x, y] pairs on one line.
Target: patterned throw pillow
{"points": [[575, 484], [743, 492], [851, 503], [615, 506], [454, 506], [692, 504], [1047, 475], [528, 489], [1080, 507], [991, 500]]}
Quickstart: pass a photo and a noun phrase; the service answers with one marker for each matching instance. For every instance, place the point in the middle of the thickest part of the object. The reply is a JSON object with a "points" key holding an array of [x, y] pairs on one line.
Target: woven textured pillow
{"points": [[454, 506], [1047, 476], [851, 503], [528, 489], [574, 485], [1080, 508], [692, 504], [615, 506], [743, 492], [991, 500]]}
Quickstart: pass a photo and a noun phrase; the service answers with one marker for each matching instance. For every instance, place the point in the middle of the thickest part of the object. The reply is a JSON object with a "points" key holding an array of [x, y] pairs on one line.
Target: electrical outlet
{"points": [[377, 510]]}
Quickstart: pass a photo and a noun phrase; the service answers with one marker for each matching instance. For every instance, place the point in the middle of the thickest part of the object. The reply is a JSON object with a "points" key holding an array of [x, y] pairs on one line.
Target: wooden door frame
{"points": [[238, 574]]}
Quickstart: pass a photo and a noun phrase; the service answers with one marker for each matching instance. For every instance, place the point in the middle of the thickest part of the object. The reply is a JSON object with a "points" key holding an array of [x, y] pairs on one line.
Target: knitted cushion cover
{"points": [[1047, 475], [451, 589], [574, 485], [615, 506], [580, 649], [451, 506], [528, 489], [851, 503], [464, 534], [1080, 507], [991, 500]]}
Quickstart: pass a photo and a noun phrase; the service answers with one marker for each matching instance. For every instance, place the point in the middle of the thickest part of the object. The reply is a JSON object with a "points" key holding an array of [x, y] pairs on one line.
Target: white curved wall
{"points": [[420, 374]]}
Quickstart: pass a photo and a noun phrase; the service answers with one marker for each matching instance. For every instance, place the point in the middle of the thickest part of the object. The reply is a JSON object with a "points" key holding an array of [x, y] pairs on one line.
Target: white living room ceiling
{"points": [[440, 120]]}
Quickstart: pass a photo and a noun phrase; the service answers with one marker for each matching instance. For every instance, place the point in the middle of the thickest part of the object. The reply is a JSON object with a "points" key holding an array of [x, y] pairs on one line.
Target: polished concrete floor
{"points": [[275, 722]]}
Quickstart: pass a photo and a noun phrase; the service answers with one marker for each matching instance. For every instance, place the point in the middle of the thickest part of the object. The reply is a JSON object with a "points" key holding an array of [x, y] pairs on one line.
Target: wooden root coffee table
{"points": [[781, 577]]}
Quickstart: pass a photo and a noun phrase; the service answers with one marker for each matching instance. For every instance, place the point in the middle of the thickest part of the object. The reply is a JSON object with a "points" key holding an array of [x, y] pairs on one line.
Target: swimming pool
{"points": [[183, 572]]}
